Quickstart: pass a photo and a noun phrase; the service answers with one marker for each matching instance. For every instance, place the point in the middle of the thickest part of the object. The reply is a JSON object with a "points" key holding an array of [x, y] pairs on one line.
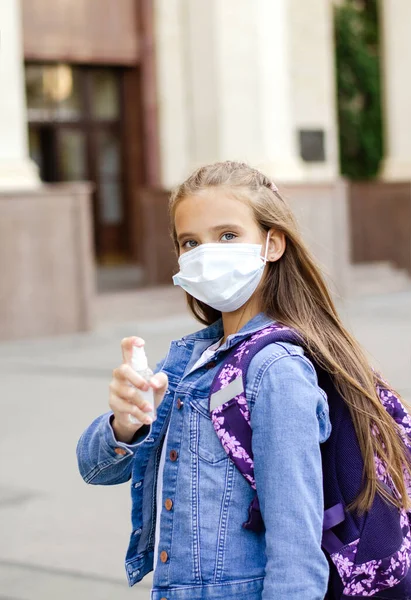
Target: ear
{"points": [[276, 245]]}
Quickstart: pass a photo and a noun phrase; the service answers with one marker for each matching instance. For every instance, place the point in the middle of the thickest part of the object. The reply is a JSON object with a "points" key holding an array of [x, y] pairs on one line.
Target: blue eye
{"points": [[189, 244], [229, 237]]}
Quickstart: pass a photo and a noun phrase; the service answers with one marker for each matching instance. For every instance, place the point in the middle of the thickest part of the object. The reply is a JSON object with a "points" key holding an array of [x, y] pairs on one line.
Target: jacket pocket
{"points": [[204, 441]]}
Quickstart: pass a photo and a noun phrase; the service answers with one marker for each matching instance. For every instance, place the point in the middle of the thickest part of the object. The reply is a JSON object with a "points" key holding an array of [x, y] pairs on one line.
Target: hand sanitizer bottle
{"points": [[140, 365]]}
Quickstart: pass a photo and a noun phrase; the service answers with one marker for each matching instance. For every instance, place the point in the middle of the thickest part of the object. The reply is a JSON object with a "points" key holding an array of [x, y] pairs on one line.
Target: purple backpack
{"points": [[368, 554]]}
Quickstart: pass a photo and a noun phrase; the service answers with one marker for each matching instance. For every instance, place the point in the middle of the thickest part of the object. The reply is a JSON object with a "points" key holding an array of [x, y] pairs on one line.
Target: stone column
{"points": [[17, 171], [312, 93], [279, 153], [173, 116], [239, 79], [396, 38], [238, 84]]}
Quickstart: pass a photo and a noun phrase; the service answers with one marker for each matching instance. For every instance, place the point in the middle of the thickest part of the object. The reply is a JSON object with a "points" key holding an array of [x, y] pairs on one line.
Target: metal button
{"points": [[163, 556], [179, 403], [120, 451], [173, 455], [163, 598], [168, 504], [210, 365]]}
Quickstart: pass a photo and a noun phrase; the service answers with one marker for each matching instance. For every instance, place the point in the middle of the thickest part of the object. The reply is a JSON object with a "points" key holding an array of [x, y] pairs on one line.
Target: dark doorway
{"points": [[75, 134]]}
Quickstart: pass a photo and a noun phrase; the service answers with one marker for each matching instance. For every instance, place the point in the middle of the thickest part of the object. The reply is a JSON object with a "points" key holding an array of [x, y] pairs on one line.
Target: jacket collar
{"points": [[216, 331]]}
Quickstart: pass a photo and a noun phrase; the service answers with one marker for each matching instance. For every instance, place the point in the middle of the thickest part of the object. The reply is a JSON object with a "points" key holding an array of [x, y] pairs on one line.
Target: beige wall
{"points": [[381, 222], [313, 78], [46, 262], [322, 213], [88, 31], [236, 81]]}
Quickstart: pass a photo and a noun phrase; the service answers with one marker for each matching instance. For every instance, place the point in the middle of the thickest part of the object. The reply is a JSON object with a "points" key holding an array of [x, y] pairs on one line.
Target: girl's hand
{"points": [[125, 398]]}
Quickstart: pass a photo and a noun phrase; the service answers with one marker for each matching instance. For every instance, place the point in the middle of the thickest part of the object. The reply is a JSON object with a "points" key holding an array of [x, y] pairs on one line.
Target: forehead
{"points": [[209, 207]]}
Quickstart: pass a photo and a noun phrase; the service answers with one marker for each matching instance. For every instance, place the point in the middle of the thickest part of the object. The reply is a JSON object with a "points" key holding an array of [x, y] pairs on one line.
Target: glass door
{"points": [[109, 193], [104, 106], [71, 154], [75, 134]]}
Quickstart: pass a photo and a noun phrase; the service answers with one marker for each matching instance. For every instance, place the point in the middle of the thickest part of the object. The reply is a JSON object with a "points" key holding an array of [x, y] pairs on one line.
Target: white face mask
{"points": [[223, 276]]}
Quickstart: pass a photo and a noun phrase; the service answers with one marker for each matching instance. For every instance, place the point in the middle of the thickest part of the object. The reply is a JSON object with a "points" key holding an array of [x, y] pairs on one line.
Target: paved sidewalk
{"points": [[61, 539]]}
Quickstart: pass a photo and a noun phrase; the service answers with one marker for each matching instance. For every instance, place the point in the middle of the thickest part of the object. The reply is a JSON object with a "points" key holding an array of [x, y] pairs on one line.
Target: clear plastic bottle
{"points": [[140, 365]]}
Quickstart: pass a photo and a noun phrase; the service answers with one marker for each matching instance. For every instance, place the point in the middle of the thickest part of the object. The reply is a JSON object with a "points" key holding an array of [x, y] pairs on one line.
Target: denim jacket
{"points": [[204, 552]]}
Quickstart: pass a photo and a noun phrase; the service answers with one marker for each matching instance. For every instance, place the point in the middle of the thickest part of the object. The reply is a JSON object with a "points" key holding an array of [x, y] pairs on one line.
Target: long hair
{"points": [[295, 294]]}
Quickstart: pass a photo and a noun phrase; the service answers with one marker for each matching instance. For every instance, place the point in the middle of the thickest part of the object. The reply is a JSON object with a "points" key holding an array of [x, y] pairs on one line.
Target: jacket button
{"points": [[120, 451], [168, 504], [180, 404], [173, 455], [163, 598], [210, 365], [163, 556]]}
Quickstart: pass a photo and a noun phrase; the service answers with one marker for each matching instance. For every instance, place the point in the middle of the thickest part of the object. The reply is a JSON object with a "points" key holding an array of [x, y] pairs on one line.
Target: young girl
{"points": [[243, 266]]}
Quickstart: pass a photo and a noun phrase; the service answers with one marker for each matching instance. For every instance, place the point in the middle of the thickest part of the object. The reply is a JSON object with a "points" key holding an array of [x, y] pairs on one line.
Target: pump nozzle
{"points": [[139, 359]]}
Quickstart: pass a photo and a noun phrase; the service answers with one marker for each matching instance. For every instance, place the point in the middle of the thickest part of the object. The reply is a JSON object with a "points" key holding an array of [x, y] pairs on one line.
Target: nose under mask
{"points": [[223, 276]]}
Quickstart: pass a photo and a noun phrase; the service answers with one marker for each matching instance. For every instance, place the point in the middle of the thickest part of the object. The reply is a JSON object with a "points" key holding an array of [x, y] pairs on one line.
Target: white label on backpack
{"points": [[231, 390]]}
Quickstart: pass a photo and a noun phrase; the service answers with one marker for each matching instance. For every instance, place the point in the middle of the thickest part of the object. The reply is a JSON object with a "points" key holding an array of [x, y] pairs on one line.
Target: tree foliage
{"points": [[359, 88]]}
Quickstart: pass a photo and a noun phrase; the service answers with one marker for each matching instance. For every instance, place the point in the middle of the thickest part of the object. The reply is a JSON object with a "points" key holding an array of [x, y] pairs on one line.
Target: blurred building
{"points": [[87, 108], [131, 95]]}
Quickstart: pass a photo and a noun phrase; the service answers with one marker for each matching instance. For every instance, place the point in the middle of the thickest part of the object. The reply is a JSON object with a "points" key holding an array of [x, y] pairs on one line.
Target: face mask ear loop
{"points": [[266, 248]]}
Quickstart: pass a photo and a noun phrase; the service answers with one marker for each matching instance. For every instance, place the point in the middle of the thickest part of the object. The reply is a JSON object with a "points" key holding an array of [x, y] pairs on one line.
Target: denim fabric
{"points": [[209, 554]]}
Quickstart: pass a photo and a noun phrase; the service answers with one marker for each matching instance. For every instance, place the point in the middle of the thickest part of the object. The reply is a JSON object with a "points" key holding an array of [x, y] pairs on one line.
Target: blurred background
{"points": [[105, 105]]}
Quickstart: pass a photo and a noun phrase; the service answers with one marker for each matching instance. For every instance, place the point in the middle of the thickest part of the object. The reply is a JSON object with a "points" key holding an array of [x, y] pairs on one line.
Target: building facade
{"points": [[132, 95]]}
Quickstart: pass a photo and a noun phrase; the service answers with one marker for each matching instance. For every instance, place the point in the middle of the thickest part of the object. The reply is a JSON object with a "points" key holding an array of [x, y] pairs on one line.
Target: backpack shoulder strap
{"points": [[231, 378], [231, 420], [228, 405]]}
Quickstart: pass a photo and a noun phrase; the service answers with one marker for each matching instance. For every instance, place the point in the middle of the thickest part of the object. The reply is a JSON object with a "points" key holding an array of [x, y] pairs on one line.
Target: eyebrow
{"points": [[217, 228]]}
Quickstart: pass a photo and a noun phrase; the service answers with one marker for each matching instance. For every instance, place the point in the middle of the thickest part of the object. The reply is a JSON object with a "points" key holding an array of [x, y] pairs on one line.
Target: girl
{"points": [[243, 266]]}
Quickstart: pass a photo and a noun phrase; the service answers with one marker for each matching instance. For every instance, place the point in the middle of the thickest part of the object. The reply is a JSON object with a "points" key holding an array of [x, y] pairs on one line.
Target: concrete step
{"points": [[373, 269], [368, 279], [141, 304], [118, 278]]}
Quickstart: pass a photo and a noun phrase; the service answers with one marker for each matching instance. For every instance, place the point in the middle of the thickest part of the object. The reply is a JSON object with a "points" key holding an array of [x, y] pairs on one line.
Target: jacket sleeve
{"points": [[102, 460], [289, 420]]}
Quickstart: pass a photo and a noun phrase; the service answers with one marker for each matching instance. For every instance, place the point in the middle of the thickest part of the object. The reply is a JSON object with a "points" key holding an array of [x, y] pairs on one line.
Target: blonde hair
{"points": [[294, 293]]}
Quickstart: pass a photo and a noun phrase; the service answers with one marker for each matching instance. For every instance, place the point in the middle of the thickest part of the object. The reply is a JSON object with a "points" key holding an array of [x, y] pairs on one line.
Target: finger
{"points": [[120, 406], [159, 382], [135, 379], [130, 394], [125, 373], [127, 347]]}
